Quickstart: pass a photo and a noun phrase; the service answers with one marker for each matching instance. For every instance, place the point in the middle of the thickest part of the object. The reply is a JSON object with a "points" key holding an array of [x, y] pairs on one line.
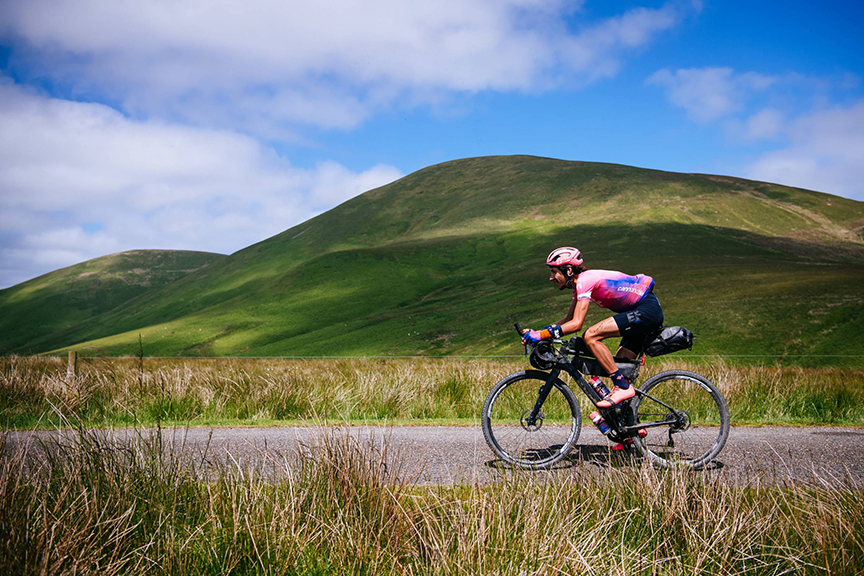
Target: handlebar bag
{"points": [[543, 357], [670, 340]]}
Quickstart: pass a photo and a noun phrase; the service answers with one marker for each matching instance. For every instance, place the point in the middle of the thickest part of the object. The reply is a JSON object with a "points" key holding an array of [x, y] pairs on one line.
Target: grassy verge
{"points": [[95, 506], [131, 391]]}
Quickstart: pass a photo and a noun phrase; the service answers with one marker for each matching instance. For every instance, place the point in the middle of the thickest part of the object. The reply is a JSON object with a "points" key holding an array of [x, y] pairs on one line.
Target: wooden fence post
{"points": [[72, 365]]}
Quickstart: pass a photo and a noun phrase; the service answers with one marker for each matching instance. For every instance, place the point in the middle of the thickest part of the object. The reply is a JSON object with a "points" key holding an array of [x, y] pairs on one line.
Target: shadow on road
{"points": [[594, 454]]}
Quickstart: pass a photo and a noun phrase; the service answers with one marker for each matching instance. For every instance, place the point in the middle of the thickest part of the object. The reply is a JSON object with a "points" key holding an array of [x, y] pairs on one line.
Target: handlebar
{"points": [[519, 330], [575, 345]]}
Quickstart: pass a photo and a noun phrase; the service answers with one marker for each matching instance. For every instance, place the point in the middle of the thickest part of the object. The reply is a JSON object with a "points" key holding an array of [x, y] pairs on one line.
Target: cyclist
{"points": [[630, 297]]}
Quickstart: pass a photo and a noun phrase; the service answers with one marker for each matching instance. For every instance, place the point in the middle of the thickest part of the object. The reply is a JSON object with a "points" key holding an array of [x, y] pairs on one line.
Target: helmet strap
{"points": [[569, 273]]}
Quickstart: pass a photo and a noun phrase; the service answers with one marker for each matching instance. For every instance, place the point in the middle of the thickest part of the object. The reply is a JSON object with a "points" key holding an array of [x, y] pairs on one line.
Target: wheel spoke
{"points": [[539, 445], [700, 412]]}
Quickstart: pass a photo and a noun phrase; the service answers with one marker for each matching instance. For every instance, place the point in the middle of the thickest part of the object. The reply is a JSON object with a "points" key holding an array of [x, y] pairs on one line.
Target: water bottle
{"points": [[599, 386], [598, 420]]}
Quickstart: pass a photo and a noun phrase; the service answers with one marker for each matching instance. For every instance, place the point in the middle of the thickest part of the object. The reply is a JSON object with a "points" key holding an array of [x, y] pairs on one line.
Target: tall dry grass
{"points": [[119, 391], [91, 505]]}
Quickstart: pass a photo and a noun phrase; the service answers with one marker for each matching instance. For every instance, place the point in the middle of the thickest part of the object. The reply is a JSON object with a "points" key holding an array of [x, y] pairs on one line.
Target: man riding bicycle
{"points": [[632, 298]]}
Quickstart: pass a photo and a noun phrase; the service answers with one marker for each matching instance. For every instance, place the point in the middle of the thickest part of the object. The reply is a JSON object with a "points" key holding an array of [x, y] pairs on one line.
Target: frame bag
{"points": [[629, 368], [670, 340]]}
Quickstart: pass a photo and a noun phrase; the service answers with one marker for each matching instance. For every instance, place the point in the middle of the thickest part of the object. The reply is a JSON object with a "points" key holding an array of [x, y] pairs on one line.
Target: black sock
{"points": [[619, 380]]}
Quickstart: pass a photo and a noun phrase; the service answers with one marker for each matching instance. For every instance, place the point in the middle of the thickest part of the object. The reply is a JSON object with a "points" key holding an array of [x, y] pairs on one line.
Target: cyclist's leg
{"points": [[594, 337], [624, 352], [631, 345]]}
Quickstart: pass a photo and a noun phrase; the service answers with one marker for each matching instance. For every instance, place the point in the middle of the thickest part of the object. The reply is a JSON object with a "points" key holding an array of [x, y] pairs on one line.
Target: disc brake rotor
{"points": [[683, 422], [538, 423]]}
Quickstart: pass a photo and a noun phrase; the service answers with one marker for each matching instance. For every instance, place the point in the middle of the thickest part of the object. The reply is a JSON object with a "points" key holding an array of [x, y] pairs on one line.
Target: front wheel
{"points": [[517, 440], [696, 414]]}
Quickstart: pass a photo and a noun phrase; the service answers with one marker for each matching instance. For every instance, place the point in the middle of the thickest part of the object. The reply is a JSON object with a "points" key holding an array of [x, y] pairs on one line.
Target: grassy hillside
{"points": [[61, 300], [444, 260]]}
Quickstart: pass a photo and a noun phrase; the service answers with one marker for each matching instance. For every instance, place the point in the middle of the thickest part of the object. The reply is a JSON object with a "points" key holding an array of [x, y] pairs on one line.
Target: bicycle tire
{"points": [[528, 447], [695, 440]]}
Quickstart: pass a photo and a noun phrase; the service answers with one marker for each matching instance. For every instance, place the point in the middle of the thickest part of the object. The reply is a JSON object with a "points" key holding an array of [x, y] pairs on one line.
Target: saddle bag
{"points": [[670, 340]]}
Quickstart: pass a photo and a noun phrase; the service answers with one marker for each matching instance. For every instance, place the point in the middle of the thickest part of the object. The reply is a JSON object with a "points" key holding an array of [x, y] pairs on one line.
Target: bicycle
{"points": [[532, 419]]}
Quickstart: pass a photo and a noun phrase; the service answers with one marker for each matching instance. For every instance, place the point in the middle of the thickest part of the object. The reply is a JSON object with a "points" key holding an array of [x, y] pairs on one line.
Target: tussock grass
{"points": [[92, 505], [230, 391]]}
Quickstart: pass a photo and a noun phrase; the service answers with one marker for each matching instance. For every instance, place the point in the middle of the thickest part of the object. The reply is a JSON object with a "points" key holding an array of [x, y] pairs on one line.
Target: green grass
{"points": [[739, 298], [444, 260], [64, 298], [117, 392], [90, 504]]}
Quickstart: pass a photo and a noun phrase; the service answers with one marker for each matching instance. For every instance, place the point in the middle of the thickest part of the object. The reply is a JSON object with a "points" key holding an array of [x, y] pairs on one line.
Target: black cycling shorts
{"points": [[636, 323]]}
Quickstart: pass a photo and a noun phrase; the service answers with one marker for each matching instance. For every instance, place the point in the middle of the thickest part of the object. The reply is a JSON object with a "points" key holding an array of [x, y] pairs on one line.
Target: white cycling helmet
{"points": [[564, 256]]}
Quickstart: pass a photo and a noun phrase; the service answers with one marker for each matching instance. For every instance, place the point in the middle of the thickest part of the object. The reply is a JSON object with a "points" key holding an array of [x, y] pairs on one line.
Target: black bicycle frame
{"points": [[612, 415], [581, 381], [654, 424]]}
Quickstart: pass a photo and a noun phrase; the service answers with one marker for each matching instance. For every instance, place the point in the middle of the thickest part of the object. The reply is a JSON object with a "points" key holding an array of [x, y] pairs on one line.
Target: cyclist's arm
{"points": [[575, 316], [569, 315]]}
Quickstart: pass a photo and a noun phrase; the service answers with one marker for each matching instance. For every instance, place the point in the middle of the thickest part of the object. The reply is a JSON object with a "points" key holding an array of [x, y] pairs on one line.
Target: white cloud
{"points": [[334, 184], [821, 150], [79, 180], [765, 124], [595, 52], [710, 93], [267, 65], [825, 153]]}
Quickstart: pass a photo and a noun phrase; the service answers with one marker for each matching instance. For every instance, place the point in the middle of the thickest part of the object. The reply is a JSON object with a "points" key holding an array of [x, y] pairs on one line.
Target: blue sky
{"points": [[211, 125]]}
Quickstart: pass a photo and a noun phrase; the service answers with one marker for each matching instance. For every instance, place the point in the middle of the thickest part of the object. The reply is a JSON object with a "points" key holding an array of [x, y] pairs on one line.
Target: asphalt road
{"points": [[457, 454]]}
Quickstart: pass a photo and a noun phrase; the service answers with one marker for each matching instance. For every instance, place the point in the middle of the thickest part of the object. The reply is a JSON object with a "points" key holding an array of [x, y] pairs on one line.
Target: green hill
{"points": [[61, 300], [445, 259]]}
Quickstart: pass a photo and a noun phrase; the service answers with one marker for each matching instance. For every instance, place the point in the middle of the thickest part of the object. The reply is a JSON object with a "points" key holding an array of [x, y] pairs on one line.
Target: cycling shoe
{"points": [[617, 396]]}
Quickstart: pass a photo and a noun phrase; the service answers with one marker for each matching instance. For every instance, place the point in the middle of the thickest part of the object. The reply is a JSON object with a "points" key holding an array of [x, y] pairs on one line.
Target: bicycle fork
{"points": [[541, 397]]}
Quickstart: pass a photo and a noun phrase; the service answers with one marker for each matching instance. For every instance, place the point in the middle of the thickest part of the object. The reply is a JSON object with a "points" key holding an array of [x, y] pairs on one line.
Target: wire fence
{"points": [[450, 356]]}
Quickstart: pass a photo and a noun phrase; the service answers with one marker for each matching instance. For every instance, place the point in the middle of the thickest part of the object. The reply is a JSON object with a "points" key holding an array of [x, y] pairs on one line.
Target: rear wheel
{"points": [[527, 444], [698, 416]]}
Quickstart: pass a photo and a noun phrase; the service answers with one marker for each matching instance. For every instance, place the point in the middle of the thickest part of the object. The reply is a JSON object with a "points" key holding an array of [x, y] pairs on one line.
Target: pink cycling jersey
{"points": [[613, 290]]}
